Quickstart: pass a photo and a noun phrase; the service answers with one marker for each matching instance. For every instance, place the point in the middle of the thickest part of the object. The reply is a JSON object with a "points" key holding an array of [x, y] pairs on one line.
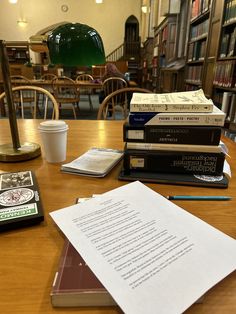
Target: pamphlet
{"points": [[146, 250], [96, 162]]}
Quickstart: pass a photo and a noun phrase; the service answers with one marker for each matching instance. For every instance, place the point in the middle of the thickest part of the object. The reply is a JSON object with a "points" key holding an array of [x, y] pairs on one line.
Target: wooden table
{"points": [[83, 84], [29, 257]]}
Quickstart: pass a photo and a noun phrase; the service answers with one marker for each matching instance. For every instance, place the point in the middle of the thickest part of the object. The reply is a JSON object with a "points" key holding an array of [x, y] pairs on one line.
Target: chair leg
{"points": [[90, 103], [73, 108]]}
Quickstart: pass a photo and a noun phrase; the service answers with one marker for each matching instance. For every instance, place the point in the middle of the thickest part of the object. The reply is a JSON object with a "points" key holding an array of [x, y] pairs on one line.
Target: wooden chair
{"points": [[111, 100], [109, 86], [34, 92], [48, 76], [66, 92], [20, 80], [17, 80], [86, 91]]}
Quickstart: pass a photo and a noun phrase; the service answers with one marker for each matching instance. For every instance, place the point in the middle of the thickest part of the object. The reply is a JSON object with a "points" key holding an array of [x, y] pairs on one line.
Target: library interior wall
{"points": [[107, 18]]}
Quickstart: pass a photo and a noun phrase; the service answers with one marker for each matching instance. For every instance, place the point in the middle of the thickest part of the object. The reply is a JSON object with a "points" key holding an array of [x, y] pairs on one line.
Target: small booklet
{"points": [[96, 162]]}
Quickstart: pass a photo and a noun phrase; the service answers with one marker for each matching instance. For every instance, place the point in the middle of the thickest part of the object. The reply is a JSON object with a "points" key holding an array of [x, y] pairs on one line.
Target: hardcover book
{"points": [[190, 101], [214, 118], [20, 202], [175, 162], [220, 181], [75, 284], [195, 135]]}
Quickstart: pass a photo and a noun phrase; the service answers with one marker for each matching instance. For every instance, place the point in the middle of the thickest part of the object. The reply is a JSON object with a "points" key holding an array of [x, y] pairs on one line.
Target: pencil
{"points": [[198, 197]]}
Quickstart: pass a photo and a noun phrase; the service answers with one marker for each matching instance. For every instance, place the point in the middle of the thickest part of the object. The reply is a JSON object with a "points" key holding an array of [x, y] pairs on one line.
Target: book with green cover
{"points": [[20, 202]]}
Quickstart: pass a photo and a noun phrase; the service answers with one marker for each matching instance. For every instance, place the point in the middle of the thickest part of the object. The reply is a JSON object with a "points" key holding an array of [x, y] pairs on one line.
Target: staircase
{"points": [[130, 52]]}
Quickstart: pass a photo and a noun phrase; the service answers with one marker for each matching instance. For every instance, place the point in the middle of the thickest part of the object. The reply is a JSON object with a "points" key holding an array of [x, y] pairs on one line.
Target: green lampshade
{"points": [[75, 44]]}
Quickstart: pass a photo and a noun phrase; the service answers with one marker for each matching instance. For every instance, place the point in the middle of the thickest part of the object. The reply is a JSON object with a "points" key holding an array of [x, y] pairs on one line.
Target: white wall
{"points": [[108, 18]]}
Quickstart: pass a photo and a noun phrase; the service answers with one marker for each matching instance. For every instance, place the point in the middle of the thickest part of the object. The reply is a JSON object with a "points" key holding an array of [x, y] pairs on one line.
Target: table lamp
{"points": [[70, 44]]}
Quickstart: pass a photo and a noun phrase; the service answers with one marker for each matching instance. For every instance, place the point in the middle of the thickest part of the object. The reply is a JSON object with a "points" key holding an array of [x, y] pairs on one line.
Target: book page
{"points": [[146, 250]]}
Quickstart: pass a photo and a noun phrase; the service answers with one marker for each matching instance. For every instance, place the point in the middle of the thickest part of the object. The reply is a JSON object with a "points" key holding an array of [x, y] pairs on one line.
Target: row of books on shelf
{"points": [[200, 30], [194, 73], [197, 50], [228, 44], [199, 7], [230, 11], [225, 74]]}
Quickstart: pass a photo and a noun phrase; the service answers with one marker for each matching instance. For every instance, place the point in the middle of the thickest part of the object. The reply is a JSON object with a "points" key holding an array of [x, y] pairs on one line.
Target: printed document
{"points": [[147, 251]]}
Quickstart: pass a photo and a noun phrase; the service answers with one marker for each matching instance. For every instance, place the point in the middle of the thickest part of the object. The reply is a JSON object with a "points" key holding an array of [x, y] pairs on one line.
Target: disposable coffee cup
{"points": [[54, 139]]}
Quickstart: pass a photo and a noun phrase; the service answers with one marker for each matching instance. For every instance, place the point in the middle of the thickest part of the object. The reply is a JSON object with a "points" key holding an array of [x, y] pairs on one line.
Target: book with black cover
{"points": [[20, 203], [173, 162], [175, 178], [197, 135], [75, 284]]}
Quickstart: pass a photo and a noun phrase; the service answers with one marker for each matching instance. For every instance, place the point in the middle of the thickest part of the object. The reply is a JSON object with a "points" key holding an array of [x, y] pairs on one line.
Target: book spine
{"points": [[171, 134], [175, 147], [146, 107], [138, 118], [191, 119], [178, 162]]}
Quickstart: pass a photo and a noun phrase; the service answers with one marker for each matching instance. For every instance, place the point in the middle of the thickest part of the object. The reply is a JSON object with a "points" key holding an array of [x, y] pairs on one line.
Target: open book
{"points": [[96, 162]]}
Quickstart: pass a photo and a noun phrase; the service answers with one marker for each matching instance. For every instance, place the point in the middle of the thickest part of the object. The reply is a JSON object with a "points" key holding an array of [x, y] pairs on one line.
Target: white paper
{"points": [[147, 251]]}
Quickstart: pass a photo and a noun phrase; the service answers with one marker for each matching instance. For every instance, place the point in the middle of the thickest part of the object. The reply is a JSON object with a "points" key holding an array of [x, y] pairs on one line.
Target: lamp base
{"points": [[27, 151]]}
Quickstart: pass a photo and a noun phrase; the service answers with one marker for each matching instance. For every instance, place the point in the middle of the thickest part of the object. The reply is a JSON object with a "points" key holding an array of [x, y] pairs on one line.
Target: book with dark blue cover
{"points": [[140, 117]]}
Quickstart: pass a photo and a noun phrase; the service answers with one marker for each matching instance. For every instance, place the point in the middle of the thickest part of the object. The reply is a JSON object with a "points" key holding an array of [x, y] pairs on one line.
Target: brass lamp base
{"points": [[27, 151]]}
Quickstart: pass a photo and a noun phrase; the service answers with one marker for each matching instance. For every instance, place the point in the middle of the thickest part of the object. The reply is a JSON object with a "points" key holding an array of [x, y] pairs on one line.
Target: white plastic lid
{"points": [[53, 125]]}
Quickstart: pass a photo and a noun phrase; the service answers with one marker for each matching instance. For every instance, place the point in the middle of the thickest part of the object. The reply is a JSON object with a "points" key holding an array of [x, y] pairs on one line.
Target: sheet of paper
{"points": [[147, 251]]}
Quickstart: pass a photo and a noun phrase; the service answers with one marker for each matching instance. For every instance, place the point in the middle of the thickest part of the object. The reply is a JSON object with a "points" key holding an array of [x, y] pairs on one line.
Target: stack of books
{"points": [[173, 134]]}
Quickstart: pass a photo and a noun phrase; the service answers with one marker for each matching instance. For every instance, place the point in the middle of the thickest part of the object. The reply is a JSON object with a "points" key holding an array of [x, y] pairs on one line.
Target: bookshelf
{"points": [[224, 80], [164, 49], [147, 66], [200, 14], [18, 52]]}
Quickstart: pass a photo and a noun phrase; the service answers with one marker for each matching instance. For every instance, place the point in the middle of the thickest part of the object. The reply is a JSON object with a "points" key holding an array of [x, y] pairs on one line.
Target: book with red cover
{"points": [[75, 284]]}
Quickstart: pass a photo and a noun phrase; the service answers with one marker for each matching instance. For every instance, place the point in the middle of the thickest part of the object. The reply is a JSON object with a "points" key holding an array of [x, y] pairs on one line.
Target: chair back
{"points": [[66, 91], [110, 101], [84, 77], [48, 76], [30, 97], [17, 80], [112, 84]]}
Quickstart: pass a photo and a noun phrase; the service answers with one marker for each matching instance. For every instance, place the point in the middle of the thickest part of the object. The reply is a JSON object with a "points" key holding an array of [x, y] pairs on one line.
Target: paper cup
{"points": [[54, 139]]}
